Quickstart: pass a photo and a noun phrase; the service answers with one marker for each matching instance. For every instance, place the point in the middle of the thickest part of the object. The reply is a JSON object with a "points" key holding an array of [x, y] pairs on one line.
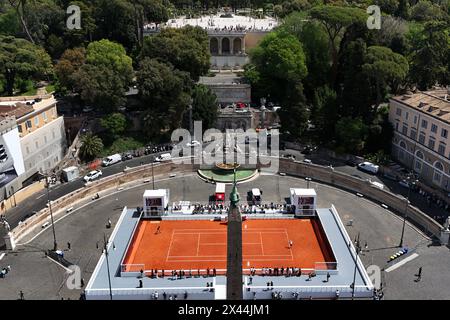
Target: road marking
{"points": [[1, 256], [40, 196], [67, 269], [399, 264]]}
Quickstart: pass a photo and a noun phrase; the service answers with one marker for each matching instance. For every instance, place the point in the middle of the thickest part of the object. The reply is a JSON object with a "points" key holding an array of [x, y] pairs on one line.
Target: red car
{"points": [[240, 105]]}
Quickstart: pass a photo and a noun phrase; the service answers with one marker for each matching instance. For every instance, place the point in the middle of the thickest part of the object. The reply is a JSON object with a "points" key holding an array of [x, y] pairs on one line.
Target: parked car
{"points": [[193, 143], [368, 167], [309, 149], [307, 161], [164, 157], [127, 156], [406, 184], [95, 174], [256, 196], [115, 158], [352, 162]]}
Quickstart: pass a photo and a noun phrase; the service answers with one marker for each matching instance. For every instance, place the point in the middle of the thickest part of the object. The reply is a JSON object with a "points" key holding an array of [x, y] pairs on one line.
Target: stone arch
{"points": [[214, 45], [437, 172], [237, 45], [402, 144], [226, 46]]}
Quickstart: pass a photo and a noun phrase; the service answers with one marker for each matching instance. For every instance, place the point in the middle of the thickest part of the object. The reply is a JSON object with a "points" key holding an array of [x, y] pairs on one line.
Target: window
{"points": [[36, 121], [19, 127], [413, 134], [45, 139], [431, 143], [441, 148], [422, 137], [28, 150], [433, 128], [44, 114], [399, 112], [405, 129], [418, 161], [437, 176], [53, 134], [444, 133], [415, 119], [407, 114], [424, 124], [36, 144], [396, 126], [28, 124]]}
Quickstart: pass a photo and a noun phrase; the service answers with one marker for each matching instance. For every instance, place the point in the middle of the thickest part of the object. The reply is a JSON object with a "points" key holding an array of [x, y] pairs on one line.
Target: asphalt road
{"points": [[39, 200]]}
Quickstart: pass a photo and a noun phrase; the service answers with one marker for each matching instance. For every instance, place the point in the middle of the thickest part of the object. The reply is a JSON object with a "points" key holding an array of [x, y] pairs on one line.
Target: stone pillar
{"points": [[9, 241], [231, 45], [219, 39], [243, 45], [445, 237]]}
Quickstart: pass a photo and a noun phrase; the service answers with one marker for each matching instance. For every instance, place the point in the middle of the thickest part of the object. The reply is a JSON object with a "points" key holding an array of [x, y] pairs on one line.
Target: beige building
{"points": [[421, 134], [41, 131]]}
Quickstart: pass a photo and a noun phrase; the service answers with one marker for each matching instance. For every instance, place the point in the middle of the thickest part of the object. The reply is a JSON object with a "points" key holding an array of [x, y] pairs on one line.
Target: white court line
{"points": [[198, 243], [222, 255], [399, 264], [170, 246], [287, 237], [262, 247], [199, 260], [2, 255]]}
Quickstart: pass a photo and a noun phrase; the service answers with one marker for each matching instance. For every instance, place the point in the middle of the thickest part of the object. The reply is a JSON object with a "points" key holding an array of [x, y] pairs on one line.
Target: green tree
{"points": [[68, 65], [336, 20], [21, 59], [324, 112], [187, 49], [106, 75], [115, 123], [385, 68], [351, 134], [91, 146], [429, 55], [204, 106], [165, 93]]}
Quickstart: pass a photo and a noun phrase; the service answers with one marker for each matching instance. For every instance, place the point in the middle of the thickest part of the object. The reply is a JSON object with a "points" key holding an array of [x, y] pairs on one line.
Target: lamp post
{"points": [[406, 210], [308, 180], [105, 247], [153, 176], [357, 251], [47, 185]]}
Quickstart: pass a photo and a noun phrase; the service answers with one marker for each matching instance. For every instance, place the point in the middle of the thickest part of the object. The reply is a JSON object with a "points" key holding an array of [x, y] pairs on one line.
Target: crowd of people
{"points": [[218, 208], [179, 274]]}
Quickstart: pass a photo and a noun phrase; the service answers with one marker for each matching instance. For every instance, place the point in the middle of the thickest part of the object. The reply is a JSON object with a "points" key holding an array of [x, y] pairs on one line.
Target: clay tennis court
{"points": [[193, 244]]}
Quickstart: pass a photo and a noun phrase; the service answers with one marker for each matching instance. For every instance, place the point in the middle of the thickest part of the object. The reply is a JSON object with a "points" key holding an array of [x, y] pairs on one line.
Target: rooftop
{"points": [[18, 107], [216, 23], [435, 102]]}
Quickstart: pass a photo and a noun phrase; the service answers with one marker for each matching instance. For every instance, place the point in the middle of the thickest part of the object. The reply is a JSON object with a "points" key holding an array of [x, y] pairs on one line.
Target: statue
{"points": [[6, 226]]}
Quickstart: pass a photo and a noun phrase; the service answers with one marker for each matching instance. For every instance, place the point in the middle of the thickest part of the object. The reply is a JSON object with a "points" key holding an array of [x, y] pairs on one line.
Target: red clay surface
{"points": [[185, 245]]}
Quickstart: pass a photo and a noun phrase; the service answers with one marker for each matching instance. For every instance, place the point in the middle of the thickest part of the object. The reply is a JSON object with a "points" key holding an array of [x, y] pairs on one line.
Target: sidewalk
{"points": [[21, 195]]}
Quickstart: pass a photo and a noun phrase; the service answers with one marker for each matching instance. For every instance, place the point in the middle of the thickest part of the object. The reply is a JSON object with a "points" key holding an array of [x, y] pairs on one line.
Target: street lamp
{"points": [[153, 176], [47, 185], [105, 247], [308, 180], [406, 210], [358, 250]]}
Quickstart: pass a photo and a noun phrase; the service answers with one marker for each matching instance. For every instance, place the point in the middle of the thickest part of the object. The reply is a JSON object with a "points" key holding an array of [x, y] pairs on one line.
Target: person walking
{"points": [[328, 276], [291, 243], [21, 295], [158, 230], [68, 246], [419, 274]]}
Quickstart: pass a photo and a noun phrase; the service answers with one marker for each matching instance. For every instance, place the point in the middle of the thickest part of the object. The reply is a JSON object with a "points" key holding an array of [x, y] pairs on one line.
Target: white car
{"points": [[92, 175], [193, 143], [369, 167], [87, 109]]}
